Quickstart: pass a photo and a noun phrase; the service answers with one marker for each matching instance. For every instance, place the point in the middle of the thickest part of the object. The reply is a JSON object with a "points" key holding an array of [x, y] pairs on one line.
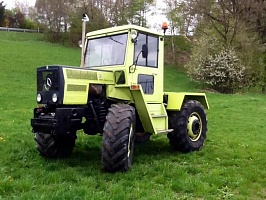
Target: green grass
{"points": [[230, 166], [178, 81]]}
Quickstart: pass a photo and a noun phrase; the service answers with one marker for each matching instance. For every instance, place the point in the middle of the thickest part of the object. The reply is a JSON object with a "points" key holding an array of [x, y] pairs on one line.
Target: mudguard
{"points": [[175, 100]]}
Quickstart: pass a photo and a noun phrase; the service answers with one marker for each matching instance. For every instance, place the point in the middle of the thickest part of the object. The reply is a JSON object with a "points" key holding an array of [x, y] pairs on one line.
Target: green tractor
{"points": [[117, 94]]}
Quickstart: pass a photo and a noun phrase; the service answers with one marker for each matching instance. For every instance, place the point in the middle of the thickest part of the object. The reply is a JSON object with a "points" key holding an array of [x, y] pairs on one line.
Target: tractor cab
{"points": [[134, 54]]}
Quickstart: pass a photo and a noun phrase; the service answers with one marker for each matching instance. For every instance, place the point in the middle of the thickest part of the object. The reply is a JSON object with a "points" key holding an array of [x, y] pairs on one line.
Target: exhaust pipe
{"points": [[84, 20]]}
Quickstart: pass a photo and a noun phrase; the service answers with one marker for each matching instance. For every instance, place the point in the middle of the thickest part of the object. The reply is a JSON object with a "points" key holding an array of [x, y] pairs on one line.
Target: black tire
{"points": [[118, 138], [51, 146], [190, 127]]}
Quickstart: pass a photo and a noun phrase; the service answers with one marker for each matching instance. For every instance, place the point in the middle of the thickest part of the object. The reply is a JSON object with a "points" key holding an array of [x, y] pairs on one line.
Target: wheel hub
{"points": [[194, 127]]}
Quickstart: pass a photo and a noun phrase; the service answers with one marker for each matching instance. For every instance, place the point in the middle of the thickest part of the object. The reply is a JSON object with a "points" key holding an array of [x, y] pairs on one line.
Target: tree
{"points": [[64, 16], [180, 16], [14, 18], [23, 6], [120, 12], [238, 24], [2, 13], [180, 23], [55, 13], [96, 21], [253, 12], [231, 24], [137, 11]]}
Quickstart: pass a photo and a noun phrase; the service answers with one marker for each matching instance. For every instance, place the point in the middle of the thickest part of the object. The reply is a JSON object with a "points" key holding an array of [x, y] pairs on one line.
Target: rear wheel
{"points": [[190, 127], [118, 138], [51, 146]]}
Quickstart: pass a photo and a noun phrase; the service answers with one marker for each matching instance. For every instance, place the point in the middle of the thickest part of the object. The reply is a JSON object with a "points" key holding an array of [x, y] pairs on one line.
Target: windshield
{"points": [[109, 50]]}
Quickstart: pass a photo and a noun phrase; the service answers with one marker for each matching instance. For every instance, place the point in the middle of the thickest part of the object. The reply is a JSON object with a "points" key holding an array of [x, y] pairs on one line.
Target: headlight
{"points": [[39, 98], [54, 98]]}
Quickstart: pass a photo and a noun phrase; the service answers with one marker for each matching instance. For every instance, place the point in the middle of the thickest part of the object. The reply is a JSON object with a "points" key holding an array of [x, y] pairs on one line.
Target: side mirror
{"points": [[144, 51]]}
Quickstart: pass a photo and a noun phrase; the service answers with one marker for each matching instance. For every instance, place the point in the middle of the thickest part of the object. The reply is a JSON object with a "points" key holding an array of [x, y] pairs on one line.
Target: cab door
{"points": [[149, 73]]}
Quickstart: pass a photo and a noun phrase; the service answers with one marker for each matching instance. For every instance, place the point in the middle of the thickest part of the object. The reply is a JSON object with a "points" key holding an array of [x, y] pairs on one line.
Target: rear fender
{"points": [[175, 100]]}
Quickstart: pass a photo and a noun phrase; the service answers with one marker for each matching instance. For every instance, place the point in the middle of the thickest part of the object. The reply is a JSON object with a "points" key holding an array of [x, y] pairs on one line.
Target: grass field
{"points": [[230, 166]]}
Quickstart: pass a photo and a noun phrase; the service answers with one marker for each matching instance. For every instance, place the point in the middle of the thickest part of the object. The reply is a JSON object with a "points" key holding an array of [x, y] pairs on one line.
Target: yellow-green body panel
{"points": [[119, 93], [152, 115], [120, 29], [176, 99], [77, 82]]}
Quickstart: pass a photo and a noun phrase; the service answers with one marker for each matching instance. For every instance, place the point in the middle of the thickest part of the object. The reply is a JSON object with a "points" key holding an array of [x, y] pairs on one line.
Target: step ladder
{"points": [[153, 115], [159, 117]]}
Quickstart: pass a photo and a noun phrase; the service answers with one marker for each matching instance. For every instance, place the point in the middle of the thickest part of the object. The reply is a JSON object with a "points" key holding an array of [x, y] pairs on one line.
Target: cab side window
{"points": [[152, 42]]}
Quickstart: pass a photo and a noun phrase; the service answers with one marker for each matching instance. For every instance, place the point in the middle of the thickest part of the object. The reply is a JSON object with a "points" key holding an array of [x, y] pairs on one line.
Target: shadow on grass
{"points": [[88, 152], [86, 157]]}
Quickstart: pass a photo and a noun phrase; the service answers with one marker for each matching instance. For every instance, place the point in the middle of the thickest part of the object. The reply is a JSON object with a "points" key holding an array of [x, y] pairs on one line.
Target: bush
{"points": [[222, 71], [217, 66], [29, 24], [228, 64], [57, 37]]}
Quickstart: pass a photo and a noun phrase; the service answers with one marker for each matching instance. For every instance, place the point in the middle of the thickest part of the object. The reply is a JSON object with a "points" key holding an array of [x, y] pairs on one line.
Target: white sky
{"points": [[11, 3]]}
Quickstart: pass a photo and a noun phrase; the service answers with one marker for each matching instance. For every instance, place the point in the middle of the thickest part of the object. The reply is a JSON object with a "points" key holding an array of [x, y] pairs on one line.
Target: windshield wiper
{"points": [[110, 37]]}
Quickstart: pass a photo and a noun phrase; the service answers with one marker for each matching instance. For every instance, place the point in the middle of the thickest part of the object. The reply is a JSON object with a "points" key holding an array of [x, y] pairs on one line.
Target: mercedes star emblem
{"points": [[48, 84]]}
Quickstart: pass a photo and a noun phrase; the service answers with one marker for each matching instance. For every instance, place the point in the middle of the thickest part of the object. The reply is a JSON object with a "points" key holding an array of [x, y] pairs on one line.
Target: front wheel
{"points": [[51, 146], [118, 138], [190, 127]]}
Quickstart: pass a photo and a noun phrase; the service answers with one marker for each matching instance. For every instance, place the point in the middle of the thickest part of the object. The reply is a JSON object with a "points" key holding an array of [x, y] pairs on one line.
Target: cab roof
{"points": [[124, 28]]}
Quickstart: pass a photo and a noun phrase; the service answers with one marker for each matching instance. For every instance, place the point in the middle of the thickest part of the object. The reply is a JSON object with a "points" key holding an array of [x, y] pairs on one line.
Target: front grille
{"points": [[47, 80], [76, 88], [81, 74], [50, 81]]}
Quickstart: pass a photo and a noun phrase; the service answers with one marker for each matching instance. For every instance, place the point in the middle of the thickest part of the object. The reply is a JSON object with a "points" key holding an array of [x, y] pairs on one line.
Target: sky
{"points": [[11, 3]]}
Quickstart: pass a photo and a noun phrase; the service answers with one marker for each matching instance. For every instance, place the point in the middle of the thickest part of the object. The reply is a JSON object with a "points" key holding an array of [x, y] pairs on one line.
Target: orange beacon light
{"points": [[164, 27]]}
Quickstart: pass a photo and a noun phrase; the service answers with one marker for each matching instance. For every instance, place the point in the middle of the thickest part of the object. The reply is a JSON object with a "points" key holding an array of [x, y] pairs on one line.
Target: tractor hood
{"points": [[68, 85]]}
